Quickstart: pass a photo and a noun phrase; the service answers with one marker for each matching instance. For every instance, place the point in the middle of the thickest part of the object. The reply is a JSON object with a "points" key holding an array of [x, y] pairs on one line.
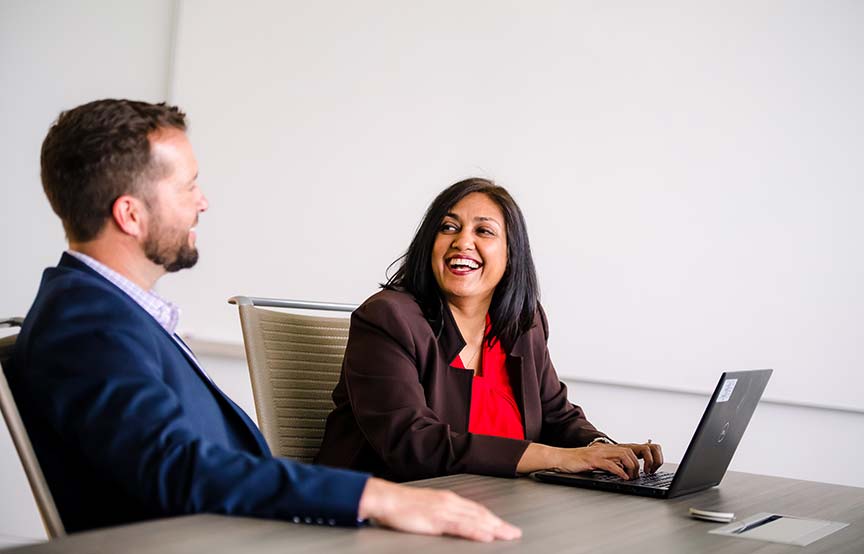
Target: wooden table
{"points": [[554, 519]]}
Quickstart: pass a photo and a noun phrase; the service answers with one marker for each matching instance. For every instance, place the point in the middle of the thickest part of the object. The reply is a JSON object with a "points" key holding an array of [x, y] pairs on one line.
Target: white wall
{"points": [[690, 172], [55, 55]]}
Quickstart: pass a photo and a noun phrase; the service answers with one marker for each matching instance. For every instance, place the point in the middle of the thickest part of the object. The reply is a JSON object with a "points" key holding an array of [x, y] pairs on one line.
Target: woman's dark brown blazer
{"points": [[402, 410]]}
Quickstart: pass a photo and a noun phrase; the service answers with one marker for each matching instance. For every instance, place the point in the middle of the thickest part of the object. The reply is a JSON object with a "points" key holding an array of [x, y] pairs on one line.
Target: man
{"points": [[125, 423]]}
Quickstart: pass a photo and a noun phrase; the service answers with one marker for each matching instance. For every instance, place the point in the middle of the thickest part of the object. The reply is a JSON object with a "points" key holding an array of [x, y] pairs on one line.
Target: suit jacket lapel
{"points": [[71, 262], [250, 426]]}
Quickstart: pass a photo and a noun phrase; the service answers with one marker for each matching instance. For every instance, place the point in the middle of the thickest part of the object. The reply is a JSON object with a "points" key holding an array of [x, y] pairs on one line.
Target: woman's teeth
{"points": [[458, 263]]}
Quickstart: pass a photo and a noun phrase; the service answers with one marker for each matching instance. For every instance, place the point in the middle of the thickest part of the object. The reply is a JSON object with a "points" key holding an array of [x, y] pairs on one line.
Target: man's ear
{"points": [[130, 215]]}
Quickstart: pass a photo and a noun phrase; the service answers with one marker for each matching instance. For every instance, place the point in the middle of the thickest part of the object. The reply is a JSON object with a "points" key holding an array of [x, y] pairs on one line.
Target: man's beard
{"points": [[172, 254]]}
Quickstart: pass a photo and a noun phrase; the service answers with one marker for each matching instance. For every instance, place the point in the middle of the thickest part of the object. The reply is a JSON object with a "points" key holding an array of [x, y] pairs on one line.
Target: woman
{"points": [[447, 369]]}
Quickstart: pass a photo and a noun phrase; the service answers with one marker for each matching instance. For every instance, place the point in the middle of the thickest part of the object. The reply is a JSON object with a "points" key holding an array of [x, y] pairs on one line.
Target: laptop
{"points": [[710, 451]]}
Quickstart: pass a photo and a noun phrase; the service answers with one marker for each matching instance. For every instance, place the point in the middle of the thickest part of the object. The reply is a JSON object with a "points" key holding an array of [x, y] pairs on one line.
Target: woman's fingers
{"points": [[650, 452], [646, 453], [657, 454], [613, 467], [620, 458], [630, 461]]}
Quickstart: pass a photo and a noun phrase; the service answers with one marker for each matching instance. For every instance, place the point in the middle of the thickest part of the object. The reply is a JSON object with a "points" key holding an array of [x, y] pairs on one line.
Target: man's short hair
{"points": [[97, 152]]}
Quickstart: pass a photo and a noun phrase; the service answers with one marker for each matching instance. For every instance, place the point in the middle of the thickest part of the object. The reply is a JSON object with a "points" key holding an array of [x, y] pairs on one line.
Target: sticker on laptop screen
{"points": [[726, 391]]}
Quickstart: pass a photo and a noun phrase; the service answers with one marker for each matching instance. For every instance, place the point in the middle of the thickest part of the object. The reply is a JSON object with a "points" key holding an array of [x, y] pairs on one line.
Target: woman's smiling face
{"points": [[469, 255]]}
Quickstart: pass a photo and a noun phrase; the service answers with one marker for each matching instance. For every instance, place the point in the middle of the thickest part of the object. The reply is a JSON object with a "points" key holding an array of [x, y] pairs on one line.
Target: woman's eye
{"points": [[447, 227], [485, 231]]}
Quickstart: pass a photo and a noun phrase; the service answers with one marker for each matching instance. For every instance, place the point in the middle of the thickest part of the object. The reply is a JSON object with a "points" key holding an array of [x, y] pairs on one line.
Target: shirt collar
{"points": [[166, 313]]}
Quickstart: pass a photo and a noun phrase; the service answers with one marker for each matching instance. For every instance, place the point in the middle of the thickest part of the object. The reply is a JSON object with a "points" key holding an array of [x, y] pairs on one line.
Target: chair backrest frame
{"points": [[294, 363], [38, 485]]}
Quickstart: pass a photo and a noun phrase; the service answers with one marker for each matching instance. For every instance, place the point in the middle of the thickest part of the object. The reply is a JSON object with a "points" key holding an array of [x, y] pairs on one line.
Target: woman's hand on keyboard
{"points": [[651, 453], [617, 459]]}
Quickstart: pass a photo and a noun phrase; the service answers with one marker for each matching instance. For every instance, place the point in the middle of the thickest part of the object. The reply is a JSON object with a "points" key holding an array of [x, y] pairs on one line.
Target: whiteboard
{"points": [[691, 174]]}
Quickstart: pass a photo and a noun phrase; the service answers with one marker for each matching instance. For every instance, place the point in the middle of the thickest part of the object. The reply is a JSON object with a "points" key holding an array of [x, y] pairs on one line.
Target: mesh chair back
{"points": [[44, 500], [294, 364]]}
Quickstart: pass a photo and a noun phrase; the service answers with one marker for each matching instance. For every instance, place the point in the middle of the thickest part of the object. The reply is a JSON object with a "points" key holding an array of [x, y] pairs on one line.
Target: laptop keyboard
{"points": [[660, 480]]}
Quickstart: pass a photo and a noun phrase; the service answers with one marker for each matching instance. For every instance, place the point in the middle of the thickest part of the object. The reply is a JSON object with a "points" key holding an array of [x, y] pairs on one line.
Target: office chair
{"points": [[294, 364], [44, 500]]}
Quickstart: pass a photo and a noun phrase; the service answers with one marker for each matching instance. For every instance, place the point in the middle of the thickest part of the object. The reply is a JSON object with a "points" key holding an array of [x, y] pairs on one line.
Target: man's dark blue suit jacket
{"points": [[127, 427]]}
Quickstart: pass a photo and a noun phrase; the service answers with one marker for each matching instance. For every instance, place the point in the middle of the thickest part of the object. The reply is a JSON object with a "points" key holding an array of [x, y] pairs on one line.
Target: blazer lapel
{"points": [[70, 262], [516, 372], [250, 426]]}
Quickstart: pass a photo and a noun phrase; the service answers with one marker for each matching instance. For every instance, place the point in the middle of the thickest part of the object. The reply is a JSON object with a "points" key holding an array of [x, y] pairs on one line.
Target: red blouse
{"points": [[493, 407]]}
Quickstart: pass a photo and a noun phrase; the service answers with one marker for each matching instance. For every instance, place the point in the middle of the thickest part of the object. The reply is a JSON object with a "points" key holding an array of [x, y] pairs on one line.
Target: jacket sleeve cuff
{"points": [[496, 456], [332, 496]]}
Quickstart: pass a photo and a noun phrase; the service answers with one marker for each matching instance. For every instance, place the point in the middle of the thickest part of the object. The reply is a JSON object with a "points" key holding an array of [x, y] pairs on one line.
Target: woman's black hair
{"points": [[515, 300]]}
